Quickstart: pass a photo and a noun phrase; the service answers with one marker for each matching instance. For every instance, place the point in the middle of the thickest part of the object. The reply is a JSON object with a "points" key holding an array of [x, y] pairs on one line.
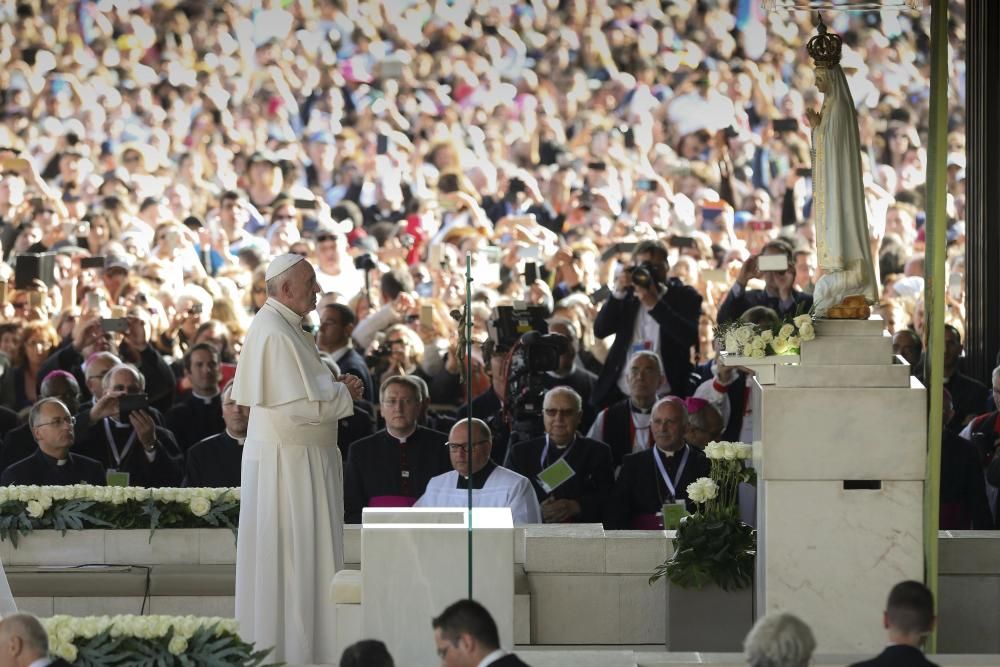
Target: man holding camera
{"points": [[124, 436], [776, 266], [647, 311]]}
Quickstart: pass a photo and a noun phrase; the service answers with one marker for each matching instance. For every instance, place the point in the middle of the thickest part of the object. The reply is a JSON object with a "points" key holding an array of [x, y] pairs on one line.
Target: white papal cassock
{"points": [[291, 532], [503, 488]]}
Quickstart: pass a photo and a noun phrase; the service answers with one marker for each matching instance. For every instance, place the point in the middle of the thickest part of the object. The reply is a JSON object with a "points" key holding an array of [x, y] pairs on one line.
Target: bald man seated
{"points": [[24, 643]]}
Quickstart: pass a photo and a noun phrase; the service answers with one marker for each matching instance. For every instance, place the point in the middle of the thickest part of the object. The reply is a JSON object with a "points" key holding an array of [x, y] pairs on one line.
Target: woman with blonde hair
{"points": [[38, 340]]}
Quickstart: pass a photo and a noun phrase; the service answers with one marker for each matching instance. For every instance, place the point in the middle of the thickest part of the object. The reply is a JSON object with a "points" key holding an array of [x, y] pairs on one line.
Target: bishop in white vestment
{"points": [[291, 533], [492, 485]]}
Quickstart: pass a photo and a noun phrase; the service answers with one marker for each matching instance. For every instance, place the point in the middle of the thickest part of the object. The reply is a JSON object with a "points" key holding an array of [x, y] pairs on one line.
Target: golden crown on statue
{"points": [[825, 48]]}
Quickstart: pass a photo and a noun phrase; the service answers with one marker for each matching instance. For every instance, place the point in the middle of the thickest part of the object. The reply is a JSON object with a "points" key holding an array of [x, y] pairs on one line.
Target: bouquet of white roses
{"points": [[713, 545], [113, 641], [27, 508], [756, 341]]}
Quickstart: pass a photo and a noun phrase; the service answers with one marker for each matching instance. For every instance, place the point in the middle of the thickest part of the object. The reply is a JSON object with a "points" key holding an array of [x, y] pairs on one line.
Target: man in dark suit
{"points": [[657, 475], [652, 313], [199, 414], [582, 497], [216, 461], [571, 372], [135, 445], [52, 463], [336, 324], [908, 618], [466, 636], [779, 293], [23, 642], [19, 443], [392, 467]]}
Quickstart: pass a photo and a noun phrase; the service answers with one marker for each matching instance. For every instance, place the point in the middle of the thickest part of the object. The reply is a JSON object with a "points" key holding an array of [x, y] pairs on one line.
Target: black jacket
{"points": [[353, 363], [640, 488], [677, 313], [214, 462], [510, 660], [191, 420], [166, 469], [591, 484], [898, 655], [41, 470]]}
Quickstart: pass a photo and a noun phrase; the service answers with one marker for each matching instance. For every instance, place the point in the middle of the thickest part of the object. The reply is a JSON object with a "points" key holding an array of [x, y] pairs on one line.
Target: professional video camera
{"points": [[643, 275], [522, 336]]}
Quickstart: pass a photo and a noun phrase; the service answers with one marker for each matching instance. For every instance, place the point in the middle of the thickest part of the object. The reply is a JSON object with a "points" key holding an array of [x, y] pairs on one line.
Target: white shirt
{"points": [[45, 662], [503, 488], [645, 336]]}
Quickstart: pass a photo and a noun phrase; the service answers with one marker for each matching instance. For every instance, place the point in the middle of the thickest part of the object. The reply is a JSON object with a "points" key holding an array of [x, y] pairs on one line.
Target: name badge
{"points": [[405, 474], [673, 513], [116, 478], [555, 475]]}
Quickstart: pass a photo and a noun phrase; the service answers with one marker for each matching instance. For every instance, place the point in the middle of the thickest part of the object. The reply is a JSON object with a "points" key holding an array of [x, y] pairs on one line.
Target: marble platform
{"points": [[764, 368], [840, 462], [415, 563]]}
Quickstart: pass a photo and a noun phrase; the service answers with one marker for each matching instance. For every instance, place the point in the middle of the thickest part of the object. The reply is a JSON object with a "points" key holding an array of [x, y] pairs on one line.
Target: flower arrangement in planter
{"points": [[756, 341], [24, 509], [712, 546], [167, 641]]}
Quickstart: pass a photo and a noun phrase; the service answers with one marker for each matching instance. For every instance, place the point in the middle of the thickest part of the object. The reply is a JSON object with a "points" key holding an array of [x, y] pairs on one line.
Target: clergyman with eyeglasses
{"points": [[492, 485], [392, 467], [53, 463], [573, 476]]}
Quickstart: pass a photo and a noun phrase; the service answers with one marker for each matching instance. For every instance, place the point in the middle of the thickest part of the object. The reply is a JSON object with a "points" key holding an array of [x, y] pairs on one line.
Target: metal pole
{"points": [[934, 290], [468, 398]]}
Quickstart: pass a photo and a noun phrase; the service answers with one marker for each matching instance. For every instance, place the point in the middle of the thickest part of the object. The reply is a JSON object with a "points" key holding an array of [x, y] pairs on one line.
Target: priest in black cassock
{"points": [[199, 414], [137, 446], [52, 463], [216, 461], [19, 442], [582, 497], [392, 467], [658, 475]]}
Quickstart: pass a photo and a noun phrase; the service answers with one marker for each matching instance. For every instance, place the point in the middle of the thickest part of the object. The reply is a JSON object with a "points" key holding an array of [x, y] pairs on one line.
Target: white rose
{"points": [[767, 335], [802, 320], [793, 341], [732, 344], [744, 451], [200, 506], [35, 509], [702, 490], [806, 331], [177, 645], [757, 343], [780, 345], [786, 331], [712, 450], [744, 333], [757, 353], [729, 451]]}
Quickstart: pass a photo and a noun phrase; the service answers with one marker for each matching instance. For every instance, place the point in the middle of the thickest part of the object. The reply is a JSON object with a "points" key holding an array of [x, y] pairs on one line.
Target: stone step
{"points": [[847, 351], [838, 433], [873, 326], [861, 375]]}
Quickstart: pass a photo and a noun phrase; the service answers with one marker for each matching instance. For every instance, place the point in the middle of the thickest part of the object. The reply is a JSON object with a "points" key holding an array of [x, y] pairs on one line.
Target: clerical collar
{"points": [[51, 460], [207, 400], [236, 438], [479, 477], [640, 411], [401, 438], [293, 318], [668, 455]]}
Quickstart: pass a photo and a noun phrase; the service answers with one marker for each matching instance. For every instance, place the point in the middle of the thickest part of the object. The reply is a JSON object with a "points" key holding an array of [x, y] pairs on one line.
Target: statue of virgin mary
{"points": [[843, 240]]}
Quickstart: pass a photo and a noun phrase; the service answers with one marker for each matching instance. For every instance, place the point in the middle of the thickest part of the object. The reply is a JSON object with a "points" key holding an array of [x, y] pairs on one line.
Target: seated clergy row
{"points": [[198, 443]]}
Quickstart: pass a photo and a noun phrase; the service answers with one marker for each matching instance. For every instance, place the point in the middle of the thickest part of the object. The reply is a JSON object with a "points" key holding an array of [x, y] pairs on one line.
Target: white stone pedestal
{"points": [[415, 563], [840, 468]]}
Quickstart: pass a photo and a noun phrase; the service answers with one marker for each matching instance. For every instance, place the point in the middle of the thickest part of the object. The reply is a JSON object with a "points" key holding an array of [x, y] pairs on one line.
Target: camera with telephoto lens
{"points": [[643, 275], [365, 262], [533, 352]]}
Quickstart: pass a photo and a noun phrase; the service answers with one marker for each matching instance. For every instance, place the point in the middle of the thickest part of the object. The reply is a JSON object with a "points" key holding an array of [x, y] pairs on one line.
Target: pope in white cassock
{"points": [[291, 532], [492, 485]]}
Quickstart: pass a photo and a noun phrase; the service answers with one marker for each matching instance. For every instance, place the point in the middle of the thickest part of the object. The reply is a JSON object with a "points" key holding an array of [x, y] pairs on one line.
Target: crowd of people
{"points": [[155, 157]]}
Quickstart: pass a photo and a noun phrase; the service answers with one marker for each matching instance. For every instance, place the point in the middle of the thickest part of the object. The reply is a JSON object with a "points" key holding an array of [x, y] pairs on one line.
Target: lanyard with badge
{"points": [[673, 510], [558, 473], [114, 477]]}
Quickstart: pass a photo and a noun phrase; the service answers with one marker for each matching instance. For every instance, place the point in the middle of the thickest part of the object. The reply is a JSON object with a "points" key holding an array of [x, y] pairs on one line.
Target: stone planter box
{"points": [[708, 620], [172, 546]]}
